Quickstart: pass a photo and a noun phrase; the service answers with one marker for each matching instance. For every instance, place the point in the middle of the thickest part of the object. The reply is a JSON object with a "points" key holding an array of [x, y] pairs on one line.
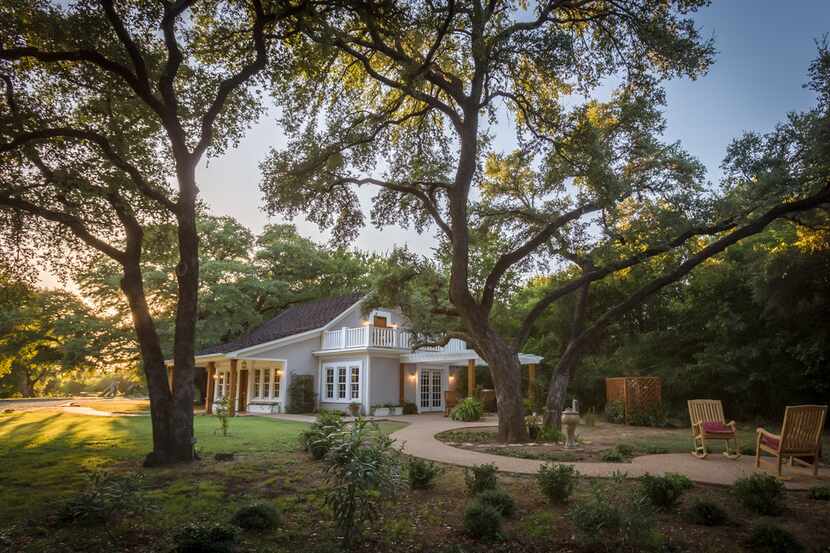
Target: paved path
{"points": [[418, 439]]}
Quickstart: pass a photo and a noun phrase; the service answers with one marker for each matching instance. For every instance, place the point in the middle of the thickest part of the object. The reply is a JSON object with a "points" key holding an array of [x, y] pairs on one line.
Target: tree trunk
{"points": [[24, 383], [566, 368], [506, 372], [152, 360]]}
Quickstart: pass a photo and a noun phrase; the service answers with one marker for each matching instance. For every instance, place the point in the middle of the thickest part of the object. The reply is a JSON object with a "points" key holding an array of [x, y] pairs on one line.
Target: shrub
{"points": [[362, 470], [317, 439], [301, 394], [589, 419], [760, 493], [106, 497], [410, 408], [615, 522], [767, 538], [482, 521], [259, 516], [664, 491], [551, 434], [821, 493], [612, 456], [499, 499], [200, 537], [421, 473], [534, 427], [625, 450], [556, 482], [650, 415], [615, 411], [480, 477], [223, 415], [468, 409], [707, 513]]}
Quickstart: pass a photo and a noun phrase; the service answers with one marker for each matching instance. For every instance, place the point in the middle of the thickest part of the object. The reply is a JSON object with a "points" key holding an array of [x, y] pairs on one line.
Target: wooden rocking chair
{"points": [[708, 423], [800, 438]]}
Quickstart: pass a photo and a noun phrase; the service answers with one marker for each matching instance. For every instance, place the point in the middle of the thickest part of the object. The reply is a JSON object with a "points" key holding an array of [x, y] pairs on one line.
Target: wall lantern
{"points": [[244, 364]]}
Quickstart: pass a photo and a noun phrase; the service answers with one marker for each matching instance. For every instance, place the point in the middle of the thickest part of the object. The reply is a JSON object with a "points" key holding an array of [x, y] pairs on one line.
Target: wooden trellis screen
{"points": [[637, 393]]}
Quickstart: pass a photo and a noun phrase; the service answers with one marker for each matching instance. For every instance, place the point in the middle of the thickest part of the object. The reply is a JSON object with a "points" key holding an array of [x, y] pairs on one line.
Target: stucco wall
{"points": [[409, 383], [385, 381]]}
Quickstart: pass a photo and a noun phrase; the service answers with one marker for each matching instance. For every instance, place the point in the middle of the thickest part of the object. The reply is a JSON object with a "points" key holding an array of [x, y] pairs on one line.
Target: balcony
{"points": [[369, 336]]}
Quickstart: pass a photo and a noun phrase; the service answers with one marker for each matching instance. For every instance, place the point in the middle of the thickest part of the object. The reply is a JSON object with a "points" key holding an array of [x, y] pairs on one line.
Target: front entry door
{"points": [[243, 391], [431, 390]]}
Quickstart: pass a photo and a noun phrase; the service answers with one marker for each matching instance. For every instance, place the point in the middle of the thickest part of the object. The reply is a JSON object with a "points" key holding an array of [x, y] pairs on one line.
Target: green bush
{"points": [[317, 439], [821, 493], [482, 521], [652, 415], [480, 477], [362, 471], [468, 409], [707, 513], [612, 456], [615, 411], [499, 499], [620, 522], [556, 482], [625, 450], [768, 538], [106, 497], [421, 473], [760, 493], [200, 537], [259, 516], [410, 408], [301, 394], [664, 491]]}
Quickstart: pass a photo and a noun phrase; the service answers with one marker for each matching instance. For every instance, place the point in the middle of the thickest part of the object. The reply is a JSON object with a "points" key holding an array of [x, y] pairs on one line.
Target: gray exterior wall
{"points": [[409, 382], [385, 381]]}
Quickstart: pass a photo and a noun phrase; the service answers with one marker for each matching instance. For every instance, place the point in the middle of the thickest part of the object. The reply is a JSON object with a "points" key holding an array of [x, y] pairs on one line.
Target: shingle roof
{"points": [[293, 320]]}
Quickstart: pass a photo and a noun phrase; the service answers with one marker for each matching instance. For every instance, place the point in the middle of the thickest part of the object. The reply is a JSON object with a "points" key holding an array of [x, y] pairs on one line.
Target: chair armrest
{"points": [[697, 425], [762, 432], [733, 425]]}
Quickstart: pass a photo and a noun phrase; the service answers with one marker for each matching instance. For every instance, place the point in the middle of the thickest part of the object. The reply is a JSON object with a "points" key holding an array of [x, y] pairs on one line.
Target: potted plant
{"points": [[354, 409], [395, 410]]}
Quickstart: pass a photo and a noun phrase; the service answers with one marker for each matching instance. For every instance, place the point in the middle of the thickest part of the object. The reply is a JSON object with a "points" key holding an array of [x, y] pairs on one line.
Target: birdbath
{"points": [[570, 418]]}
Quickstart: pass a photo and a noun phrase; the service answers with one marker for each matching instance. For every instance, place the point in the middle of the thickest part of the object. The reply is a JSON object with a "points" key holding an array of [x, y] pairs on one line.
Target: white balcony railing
{"points": [[381, 337]]}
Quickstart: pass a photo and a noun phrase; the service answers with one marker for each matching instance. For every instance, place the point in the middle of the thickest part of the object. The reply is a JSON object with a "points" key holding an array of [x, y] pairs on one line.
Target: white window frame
{"points": [[346, 382], [221, 380], [380, 313], [256, 383]]}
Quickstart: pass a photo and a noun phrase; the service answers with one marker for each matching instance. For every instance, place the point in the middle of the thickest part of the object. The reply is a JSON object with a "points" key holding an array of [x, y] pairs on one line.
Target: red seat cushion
{"points": [[716, 427], [769, 442]]}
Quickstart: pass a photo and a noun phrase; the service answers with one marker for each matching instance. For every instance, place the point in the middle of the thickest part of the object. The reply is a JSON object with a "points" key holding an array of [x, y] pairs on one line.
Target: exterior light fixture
{"points": [[244, 364]]}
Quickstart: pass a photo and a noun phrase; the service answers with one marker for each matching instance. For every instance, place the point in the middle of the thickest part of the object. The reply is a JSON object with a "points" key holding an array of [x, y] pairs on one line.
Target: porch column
{"points": [[471, 378], [211, 386], [232, 392], [531, 382], [170, 377], [401, 397]]}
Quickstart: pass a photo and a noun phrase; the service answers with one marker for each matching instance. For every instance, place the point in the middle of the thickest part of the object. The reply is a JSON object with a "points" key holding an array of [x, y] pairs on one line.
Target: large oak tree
{"points": [[108, 108], [416, 99]]}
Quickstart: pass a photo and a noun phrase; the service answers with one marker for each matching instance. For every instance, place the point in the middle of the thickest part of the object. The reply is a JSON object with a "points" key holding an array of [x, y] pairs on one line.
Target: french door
{"points": [[431, 390]]}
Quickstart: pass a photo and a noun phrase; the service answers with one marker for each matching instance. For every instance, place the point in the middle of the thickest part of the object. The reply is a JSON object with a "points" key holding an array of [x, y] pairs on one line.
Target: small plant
{"points": [[534, 427], [821, 493], [259, 516], [615, 522], [410, 408], [499, 499], [223, 412], [612, 456], [199, 537], [468, 409], [479, 478], [768, 538], [106, 497], [317, 439], [664, 491], [421, 473], [707, 513], [760, 493], [482, 521], [625, 450], [589, 419], [551, 434], [362, 470], [354, 409], [556, 482], [615, 411]]}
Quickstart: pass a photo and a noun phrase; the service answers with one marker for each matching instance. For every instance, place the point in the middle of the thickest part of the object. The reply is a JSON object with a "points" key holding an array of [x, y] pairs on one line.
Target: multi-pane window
{"points": [[258, 384], [342, 381], [220, 385], [275, 383]]}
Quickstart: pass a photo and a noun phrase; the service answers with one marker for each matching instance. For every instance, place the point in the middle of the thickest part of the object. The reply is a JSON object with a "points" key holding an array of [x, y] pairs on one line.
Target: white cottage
{"points": [[351, 357]]}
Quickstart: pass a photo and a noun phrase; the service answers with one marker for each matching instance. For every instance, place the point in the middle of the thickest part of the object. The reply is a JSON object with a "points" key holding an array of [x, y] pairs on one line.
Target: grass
{"points": [[115, 405]]}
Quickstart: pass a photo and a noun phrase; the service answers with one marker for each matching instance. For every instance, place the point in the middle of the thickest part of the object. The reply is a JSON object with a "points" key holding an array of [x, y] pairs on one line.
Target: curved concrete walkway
{"points": [[418, 439]]}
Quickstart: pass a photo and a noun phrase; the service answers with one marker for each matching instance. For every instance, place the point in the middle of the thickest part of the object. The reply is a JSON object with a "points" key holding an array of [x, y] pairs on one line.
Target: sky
{"points": [[764, 48]]}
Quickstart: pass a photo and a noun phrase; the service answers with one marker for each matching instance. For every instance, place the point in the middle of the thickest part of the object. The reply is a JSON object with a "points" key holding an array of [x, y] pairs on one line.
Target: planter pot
{"points": [[381, 412], [397, 411]]}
